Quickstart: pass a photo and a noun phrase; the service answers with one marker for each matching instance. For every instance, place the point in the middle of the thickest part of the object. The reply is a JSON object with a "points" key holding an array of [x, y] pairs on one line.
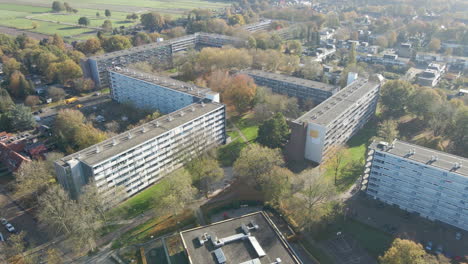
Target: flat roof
{"points": [[160, 44], [267, 237], [291, 79], [445, 161], [127, 140], [330, 109], [164, 81]]}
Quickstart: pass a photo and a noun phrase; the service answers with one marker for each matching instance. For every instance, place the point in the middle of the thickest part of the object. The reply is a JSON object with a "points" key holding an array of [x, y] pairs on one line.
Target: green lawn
{"points": [[352, 165], [139, 203], [247, 126], [23, 8]]}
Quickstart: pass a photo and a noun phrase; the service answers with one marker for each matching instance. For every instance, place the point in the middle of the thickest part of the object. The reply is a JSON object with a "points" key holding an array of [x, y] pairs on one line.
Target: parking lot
{"points": [[399, 223]]}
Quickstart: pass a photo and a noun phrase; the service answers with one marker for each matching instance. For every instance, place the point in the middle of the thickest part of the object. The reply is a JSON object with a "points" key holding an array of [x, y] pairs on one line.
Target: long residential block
{"points": [[137, 158], [96, 67], [333, 122], [292, 86], [430, 183]]}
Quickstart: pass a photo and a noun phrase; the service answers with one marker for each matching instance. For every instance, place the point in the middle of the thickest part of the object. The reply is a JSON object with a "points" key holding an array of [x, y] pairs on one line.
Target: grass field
{"points": [[352, 165], [15, 15], [139, 203]]}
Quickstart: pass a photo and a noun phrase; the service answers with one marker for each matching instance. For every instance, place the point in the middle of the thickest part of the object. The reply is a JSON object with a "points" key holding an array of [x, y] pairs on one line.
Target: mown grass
{"points": [[139, 203], [352, 166]]}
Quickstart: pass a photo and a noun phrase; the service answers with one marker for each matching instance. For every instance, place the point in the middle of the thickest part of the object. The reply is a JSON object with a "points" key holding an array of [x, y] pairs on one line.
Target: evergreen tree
{"points": [[274, 133]]}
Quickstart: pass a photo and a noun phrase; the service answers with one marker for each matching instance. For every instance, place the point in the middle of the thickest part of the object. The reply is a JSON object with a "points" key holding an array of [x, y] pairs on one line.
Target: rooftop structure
{"points": [[251, 238], [434, 158]]}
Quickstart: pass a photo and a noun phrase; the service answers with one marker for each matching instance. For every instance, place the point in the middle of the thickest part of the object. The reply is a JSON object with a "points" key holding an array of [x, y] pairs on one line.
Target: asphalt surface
{"points": [[21, 219], [48, 113]]}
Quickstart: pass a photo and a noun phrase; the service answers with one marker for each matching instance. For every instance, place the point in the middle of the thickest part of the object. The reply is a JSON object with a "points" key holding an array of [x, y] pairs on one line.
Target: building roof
{"points": [[291, 79], [333, 107], [132, 138], [163, 81], [132, 50], [242, 247], [435, 158]]}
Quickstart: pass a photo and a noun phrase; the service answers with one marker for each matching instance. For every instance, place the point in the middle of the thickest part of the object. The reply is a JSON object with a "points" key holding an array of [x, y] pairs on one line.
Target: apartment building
{"points": [[264, 24], [333, 122], [430, 183], [139, 157], [95, 67], [292, 86], [148, 91]]}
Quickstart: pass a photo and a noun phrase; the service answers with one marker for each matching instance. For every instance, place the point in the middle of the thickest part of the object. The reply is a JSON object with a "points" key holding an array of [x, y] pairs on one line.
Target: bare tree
{"points": [[276, 185], [32, 178], [57, 210], [54, 256]]}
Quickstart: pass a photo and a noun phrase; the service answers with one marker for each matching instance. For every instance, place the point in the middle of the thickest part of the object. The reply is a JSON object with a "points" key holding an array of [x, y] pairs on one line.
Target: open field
{"points": [[20, 14]]}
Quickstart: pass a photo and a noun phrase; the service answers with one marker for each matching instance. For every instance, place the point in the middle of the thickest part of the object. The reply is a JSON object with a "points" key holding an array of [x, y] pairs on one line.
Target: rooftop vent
{"points": [[433, 158], [156, 124], [181, 113], [411, 152], [114, 142], [98, 149], [202, 104], [129, 135], [170, 118]]}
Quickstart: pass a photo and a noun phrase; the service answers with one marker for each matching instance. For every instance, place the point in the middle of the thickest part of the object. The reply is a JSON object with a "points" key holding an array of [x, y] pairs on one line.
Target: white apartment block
{"points": [[333, 122], [95, 67], [430, 183], [139, 157]]}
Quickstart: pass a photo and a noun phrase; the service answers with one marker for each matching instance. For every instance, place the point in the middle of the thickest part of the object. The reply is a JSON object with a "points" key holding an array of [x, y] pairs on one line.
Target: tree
{"points": [[312, 70], [294, 47], [32, 178], [403, 251], [388, 130], [276, 185], [98, 14], [32, 100], [133, 16], [53, 256], [152, 21], [83, 85], [107, 25], [64, 71], [241, 93], [56, 93], [423, 102], [22, 118], [459, 134], [97, 202], [236, 19], [178, 193], [34, 25], [116, 43], [107, 13], [434, 44], [5, 101], [381, 41], [18, 86], [141, 38], [204, 171], [274, 133], [255, 161], [175, 32], [90, 46], [84, 21], [336, 160], [57, 210], [57, 41], [10, 65], [68, 8], [17, 244], [58, 6], [395, 97], [315, 193]]}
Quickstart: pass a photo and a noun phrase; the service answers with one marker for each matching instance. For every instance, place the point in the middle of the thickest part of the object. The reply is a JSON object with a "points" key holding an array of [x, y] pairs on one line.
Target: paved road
{"points": [[49, 113]]}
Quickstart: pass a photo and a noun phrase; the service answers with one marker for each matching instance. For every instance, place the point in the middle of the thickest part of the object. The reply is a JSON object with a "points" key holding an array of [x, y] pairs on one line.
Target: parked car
{"points": [[3, 221], [439, 249], [429, 246], [458, 236], [2, 239], [10, 228]]}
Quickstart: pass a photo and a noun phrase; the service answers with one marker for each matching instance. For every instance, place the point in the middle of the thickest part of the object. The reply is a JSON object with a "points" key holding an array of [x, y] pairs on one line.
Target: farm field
{"points": [[36, 15]]}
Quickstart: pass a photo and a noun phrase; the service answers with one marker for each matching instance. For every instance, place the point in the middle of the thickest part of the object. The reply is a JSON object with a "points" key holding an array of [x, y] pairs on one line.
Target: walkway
{"points": [[240, 133]]}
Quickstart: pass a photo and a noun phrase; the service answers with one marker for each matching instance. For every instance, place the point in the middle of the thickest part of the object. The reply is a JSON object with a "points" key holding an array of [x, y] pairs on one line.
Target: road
{"points": [[48, 113]]}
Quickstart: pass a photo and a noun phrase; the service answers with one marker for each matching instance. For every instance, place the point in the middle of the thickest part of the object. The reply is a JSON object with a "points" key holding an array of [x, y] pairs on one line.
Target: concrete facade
{"points": [[139, 157], [430, 183]]}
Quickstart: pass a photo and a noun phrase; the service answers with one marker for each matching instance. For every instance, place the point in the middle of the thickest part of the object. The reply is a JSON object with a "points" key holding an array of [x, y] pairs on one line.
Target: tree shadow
{"points": [[349, 174], [411, 128]]}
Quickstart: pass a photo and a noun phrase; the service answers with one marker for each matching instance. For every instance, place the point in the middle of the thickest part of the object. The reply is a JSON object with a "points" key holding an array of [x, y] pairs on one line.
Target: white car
{"points": [[3, 221], [458, 236], [2, 239], [10, 228]]}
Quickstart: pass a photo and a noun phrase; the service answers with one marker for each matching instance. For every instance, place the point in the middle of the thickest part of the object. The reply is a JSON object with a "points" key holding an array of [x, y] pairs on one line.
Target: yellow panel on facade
{"points": [[314, 133]]}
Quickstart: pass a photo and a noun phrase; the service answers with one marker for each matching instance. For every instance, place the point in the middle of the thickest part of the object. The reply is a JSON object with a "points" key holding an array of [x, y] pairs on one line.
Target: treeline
{"points": [[447, 120]]}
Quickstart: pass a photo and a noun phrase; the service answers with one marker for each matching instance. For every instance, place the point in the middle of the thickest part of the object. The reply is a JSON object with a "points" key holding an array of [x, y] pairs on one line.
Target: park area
{"points": [[37, 16]]}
